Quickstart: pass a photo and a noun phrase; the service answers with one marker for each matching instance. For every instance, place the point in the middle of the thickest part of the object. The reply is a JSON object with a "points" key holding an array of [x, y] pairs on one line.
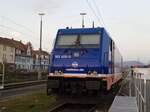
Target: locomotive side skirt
{"points": [[82, 81]]}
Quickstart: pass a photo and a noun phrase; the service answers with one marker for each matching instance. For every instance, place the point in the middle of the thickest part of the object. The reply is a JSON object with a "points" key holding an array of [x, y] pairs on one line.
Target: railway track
{"points": [[99, 103], [15, 89], [74, 107], [12, 93], [23, 84], [85, 104]]}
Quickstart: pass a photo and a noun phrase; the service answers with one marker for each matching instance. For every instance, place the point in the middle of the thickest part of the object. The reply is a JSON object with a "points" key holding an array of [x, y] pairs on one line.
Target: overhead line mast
{"points": [[99, 12], [83, 14], [92, 9], [99, 17]]}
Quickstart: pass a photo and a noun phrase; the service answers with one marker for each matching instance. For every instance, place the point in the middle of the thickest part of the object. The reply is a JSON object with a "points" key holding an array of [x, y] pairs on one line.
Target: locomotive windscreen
{"points": [[73, 41]]}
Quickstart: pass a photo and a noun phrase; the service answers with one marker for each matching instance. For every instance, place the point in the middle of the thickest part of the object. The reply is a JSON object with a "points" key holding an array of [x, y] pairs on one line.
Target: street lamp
{"points": [[83, 14], [41, 22]]}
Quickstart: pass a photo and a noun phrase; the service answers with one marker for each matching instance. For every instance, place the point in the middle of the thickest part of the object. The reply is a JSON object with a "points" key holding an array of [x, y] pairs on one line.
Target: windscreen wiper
{"points": [[78, 44]]}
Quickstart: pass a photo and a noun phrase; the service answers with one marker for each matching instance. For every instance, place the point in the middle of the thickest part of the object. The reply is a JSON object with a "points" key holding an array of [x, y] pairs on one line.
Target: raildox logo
{"points": [[75, 64]]}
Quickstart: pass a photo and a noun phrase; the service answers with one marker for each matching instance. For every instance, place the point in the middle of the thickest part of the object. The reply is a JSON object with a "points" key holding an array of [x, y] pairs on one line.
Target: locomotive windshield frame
{"points": [[76, 40]]}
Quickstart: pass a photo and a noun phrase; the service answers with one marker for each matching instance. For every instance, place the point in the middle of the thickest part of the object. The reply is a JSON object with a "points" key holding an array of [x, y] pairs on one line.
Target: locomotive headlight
{"points": [[94, 73], [60, 72], [56, 72]]}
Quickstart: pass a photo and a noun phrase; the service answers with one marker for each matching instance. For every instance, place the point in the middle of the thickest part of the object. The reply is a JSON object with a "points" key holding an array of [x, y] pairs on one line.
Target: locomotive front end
{"points": [[75, 61], [82, 60]]}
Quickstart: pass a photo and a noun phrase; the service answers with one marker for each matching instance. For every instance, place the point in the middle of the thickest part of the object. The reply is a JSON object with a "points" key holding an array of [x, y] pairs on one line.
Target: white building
{"points": [[7, 51], [16, 54], [23, 56], [44, 60]]}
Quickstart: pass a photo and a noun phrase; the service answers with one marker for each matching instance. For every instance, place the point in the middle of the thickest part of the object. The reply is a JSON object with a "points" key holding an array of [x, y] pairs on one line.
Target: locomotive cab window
{"points": [[91, 41], [73, 41]]}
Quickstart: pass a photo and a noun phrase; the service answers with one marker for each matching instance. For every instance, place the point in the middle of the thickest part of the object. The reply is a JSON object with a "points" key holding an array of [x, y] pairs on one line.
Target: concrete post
{"points": [[39, 75]]}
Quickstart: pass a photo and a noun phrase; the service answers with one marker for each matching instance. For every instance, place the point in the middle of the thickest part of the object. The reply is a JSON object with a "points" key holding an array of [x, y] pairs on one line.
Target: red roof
{"points": [[13, 43], [34, 52]]}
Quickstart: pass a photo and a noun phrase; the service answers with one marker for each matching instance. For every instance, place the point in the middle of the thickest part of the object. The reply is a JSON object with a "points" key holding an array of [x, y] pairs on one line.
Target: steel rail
{"points": [[23, 84], [74, 106]]}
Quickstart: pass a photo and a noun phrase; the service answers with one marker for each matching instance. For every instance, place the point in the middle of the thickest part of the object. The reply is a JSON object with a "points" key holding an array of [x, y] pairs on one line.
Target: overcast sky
{"points": [[127, 21]]}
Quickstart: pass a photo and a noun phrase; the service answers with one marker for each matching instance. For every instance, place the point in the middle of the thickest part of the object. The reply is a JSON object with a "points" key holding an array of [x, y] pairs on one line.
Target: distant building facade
{"points": [[22, 56], [45, 57], [15, 53], [7, 51]]}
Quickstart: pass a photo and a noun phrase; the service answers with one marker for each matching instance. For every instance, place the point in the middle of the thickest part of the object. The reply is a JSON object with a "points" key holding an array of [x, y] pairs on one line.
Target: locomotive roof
{"points": [[80, 30]]}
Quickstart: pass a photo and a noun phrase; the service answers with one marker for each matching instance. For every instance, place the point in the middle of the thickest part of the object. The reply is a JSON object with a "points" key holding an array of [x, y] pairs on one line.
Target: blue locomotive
{"points": [[84, 59]]}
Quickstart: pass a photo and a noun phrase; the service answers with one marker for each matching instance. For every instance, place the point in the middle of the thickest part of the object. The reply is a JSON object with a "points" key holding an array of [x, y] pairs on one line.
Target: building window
{"points": [[18, 51], [12, 49], [46, 57], [37, 56], [19, 66], [28, 51], [42, 56], [4, 48], [11, 56], [4, 57]]}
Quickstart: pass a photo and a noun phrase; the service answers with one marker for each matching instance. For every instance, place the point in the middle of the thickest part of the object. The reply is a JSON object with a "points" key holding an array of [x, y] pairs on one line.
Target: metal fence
{"points": [[2, 76], [140, 89], [7, 76]]}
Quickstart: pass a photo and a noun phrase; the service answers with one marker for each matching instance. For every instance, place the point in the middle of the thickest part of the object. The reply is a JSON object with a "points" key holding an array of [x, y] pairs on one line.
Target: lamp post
{"points": [[41, 23], [83, 14]]}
